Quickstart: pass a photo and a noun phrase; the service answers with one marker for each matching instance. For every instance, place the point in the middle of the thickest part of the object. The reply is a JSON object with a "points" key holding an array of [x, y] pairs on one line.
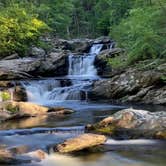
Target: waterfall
{"points": [[50, 91], [73, 87], [83, 65]]}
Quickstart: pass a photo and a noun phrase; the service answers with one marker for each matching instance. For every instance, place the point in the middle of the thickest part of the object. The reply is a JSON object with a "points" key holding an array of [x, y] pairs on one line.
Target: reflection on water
{"points": [[85, 113], [123, 153], [100, 159]]}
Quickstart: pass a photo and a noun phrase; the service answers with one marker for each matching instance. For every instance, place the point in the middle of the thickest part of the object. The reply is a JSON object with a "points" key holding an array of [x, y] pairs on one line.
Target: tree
{"points": [[18, 30]]}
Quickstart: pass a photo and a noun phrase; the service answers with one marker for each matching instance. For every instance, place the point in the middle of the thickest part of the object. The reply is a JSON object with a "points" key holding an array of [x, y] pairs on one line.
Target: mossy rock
{"points": [[12, 109], [109, 130], [106, 130]]}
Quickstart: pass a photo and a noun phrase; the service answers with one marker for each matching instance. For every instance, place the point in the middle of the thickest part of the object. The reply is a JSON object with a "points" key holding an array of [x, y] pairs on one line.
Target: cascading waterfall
{"points": [[81, 73], [83, 65]]}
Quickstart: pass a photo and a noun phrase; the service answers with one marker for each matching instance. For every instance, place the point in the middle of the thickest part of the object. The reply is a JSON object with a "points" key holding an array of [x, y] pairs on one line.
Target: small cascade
{"points": [[112, 45], [83, 65], [47, 91], [73, 87]]}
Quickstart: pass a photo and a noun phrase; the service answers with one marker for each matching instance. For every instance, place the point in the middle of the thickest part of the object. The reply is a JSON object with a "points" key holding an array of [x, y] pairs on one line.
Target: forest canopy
{"points": [[139, 26]]}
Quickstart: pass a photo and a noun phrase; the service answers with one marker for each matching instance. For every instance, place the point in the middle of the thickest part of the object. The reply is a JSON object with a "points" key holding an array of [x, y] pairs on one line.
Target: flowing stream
{"points": [[71, 92]]}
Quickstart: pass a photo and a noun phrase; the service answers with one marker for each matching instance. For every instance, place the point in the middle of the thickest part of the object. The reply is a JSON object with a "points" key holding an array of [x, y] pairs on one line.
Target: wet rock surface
{"points": [[132, 86], [17, 110], [7, 158], [132, 123], [81, 142]]}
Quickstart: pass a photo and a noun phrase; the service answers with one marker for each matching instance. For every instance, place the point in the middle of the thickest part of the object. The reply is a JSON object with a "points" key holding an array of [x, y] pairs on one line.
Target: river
{"points": [[71, 91]]}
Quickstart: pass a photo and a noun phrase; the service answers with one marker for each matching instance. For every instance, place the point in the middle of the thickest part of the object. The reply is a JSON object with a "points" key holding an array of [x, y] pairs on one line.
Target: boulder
{"points": [[131, 85], [19, 93], [37, 52], [133, 124], [53, 64], [102, 40], [18, 68], [13, 56], [161, 134], [81, 142], [101, 62], [16, 110], [19, 149], [7, 158], [74, 45], [109, 53], [6, 84]]}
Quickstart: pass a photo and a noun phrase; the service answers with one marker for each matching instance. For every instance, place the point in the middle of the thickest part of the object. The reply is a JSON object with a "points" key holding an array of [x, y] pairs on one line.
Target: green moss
{"points": [[105, 130], [163, 78], [12, 109], [117, 62], [5, 96]]}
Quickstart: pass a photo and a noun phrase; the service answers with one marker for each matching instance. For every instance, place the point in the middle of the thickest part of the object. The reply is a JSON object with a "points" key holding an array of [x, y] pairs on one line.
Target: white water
{"points": [[81, 73], [83, 65]]}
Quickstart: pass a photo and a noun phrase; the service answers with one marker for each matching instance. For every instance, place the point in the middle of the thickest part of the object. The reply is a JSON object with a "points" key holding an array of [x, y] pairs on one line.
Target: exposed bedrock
{"points": [[131, 85]]}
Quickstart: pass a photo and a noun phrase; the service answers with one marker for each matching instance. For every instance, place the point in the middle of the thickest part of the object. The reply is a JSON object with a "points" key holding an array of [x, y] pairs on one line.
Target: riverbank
{"points": [[133, 85]]}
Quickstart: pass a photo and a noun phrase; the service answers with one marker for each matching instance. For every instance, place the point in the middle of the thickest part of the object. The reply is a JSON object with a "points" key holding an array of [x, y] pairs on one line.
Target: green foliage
{"points": [[57, 14], [18, 29], [118, 61], [12, 109], [45, 45], [140, 34], [163, 78], [137, 25], [5, 96]]}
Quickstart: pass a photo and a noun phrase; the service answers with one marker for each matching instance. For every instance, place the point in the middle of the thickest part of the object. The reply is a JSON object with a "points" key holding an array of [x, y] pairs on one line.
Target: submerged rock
{"points": [[81, 142], [132, 123], [37, 155], [7, 158], [19, 149]]}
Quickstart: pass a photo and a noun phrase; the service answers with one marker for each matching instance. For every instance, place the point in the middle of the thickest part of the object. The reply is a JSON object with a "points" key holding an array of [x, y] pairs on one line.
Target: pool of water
{"points": [[45, 131]]}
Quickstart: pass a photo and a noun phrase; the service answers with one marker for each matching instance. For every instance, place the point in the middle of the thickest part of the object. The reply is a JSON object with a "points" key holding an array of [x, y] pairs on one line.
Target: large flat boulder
{"points": [[16, 110], [133, 123], [81, 142], [53, 64]]}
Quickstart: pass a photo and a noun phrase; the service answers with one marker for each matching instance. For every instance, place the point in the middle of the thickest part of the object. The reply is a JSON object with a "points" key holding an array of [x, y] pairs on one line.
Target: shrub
{"points": [[140, 33], [18, 30]]}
